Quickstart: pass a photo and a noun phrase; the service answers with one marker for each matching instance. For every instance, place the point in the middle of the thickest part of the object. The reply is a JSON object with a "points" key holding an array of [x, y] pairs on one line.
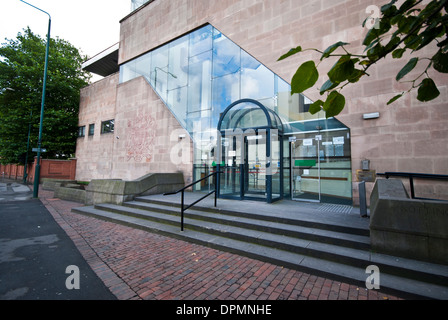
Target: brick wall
{"points": [[52, 169]]}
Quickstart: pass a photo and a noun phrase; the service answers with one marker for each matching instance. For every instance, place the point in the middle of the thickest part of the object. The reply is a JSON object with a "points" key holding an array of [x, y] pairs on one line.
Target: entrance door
{"points": [[244, 166], [305, 167], [321, 167], [250, 152], [255, 166]]}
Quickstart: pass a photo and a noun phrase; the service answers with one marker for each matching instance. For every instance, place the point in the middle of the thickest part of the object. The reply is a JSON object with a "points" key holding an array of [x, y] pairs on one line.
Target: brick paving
{"points": [[136, 264]]}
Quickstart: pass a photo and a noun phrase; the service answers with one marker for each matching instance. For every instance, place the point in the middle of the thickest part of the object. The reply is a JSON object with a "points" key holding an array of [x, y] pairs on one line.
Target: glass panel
{"points": [[159, 71], [225, 90], [226, 55], [275, 165], [336, 184], [201, 40], [305, 168], [199, 92], [286, 169], [257, 81], [230, 181], [127, 71], [255, 165], [177, 100], [178, 63], [143, 66]]}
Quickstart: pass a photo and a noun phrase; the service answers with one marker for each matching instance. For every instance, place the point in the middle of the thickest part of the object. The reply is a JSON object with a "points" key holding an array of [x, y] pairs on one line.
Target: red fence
{"points": [[54, 169]]}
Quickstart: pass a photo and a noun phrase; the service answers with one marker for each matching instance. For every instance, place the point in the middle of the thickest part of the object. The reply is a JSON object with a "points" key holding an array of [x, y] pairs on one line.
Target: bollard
{"points": [[362, 199]]}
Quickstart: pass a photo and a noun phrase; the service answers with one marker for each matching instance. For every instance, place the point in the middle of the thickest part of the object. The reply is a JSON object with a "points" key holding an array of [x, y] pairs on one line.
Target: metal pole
{"points": [[25, 174], [182, 211], [39, 142]]}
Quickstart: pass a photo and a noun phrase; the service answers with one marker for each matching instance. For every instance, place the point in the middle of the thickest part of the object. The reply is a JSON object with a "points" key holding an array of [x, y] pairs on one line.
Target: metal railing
{"points": [[182, 207], [411, 176]]}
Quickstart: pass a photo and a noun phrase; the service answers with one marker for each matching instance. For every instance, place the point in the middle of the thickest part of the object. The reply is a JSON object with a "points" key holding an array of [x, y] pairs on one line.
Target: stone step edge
{"points": [[311, 223], [350, 240]]}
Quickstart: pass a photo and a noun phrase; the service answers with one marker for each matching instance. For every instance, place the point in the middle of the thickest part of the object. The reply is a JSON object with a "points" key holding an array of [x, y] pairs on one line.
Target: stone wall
{"points": [[410, 228], [145, 138], [94, 153]]}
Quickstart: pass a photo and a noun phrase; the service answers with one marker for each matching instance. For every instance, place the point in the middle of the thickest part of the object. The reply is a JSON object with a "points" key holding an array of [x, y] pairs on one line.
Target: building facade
{"points": [[196, 86]]}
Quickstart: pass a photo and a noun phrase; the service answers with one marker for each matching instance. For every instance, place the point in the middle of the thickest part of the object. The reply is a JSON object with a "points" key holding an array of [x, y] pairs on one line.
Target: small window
{"points": [[81, 131], [107, 126], [91, 129]]}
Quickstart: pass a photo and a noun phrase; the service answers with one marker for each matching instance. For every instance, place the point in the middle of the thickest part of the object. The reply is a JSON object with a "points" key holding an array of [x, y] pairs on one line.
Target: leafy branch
{"points": [[407, 28]]}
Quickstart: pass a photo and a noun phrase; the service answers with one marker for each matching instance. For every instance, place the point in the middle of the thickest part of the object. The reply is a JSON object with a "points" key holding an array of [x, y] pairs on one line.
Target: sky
{"points": [[89, 25]]}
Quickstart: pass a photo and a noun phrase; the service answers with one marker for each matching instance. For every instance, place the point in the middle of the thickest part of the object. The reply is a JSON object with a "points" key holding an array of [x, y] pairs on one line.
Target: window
{"points": [[81, 131], [107, 126], [91, 129]]}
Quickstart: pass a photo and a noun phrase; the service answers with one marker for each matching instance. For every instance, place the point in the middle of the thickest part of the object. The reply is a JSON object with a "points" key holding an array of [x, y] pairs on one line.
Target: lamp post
{"points": [[39, 141]]}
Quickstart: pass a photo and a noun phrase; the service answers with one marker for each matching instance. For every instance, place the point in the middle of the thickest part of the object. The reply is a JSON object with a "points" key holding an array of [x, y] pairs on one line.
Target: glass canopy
{"points": [[249, 114]]}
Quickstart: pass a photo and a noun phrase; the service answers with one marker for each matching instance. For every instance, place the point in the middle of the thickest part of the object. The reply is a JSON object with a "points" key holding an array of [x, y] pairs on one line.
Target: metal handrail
{"points": [[411, 176], [182, 190]]}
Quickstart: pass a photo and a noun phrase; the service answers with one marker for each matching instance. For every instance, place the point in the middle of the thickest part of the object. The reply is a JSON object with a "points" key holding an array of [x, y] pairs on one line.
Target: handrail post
{"points": [[411, 182], [183, 208], [182, 212]]}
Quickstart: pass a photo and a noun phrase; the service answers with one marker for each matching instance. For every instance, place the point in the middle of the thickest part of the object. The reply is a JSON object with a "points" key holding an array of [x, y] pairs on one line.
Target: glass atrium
{"points": [[244, 121]]}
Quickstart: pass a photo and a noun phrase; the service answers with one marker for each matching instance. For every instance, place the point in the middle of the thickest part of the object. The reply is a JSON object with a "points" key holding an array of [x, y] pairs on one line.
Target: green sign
{"points": [[304, 163]]}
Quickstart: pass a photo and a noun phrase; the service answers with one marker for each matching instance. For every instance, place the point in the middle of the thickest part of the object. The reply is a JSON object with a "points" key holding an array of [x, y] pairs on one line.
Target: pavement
{"points": [[37, 256], [49, 253]]}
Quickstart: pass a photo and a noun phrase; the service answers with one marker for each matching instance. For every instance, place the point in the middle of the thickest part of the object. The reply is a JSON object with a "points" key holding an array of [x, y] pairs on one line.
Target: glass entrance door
{"points": [[321, 166], [305, 167], [255, 166], [244, 166]]}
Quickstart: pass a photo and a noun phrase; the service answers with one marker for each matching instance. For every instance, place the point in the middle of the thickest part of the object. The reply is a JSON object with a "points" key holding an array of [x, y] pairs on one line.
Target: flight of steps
{"points": [[338, 251]]}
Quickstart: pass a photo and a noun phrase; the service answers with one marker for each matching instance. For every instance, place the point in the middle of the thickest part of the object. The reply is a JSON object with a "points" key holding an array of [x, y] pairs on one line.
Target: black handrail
{"points": [[411, 176], [182, 208]]}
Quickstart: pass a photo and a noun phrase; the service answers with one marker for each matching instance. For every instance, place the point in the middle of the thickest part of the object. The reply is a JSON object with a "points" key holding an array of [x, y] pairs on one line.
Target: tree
{"points": [[407, 28], [21, 76]]}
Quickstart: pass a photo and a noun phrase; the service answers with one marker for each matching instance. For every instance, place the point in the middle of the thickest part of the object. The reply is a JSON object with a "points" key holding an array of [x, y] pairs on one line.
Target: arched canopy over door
{"points": [[249, 114], [250, 152]]}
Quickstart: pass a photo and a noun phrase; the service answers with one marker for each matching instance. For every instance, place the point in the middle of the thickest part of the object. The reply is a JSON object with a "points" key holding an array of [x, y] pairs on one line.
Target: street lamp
{"points": [[39, 141]]}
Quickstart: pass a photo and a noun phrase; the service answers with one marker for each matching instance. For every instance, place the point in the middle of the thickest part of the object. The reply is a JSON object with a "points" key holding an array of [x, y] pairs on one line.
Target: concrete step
{"points": [[321, 252], [251, 222], [333, 225]]}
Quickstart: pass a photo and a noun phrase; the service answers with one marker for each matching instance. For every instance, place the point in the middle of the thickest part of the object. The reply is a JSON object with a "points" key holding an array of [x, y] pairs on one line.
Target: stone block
{"points": [[53, 184], [117, 191], [70, 194], [410, 228]]}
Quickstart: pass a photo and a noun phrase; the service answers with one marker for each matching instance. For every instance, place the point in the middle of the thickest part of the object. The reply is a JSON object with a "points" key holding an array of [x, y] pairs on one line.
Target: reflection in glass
{"points": [[226, 55], [201, 40], [178, 63], [257, 81]]}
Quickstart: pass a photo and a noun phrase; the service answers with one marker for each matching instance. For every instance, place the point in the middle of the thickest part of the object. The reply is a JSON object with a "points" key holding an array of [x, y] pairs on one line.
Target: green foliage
{"points": [[21, 77], [404, 29], [305, 77]]}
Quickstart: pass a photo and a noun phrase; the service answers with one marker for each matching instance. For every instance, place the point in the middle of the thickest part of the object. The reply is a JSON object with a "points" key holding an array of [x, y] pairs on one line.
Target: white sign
{"points": [[307, 142], [338, 140]]}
